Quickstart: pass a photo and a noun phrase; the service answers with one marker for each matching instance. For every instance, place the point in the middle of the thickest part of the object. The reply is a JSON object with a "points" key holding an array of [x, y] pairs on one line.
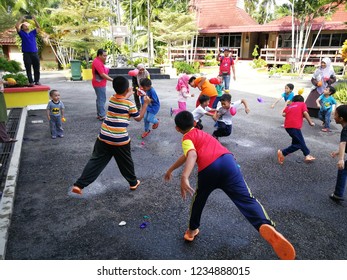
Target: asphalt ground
{"points": [[51, 223]]}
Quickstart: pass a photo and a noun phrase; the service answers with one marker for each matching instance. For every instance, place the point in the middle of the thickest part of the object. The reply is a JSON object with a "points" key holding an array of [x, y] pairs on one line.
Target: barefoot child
{"points": [[212, 158], [294, 114]]}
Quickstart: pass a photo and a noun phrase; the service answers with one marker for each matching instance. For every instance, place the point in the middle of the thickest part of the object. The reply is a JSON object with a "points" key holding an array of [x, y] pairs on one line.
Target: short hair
{"points": [[120, 84], [52, 92], [100, 52], [291, 86], [184, 120], [192, 79], [298, 98], [225, 97], [332, 90], [145, 82], [342, 111], [203, 98]]}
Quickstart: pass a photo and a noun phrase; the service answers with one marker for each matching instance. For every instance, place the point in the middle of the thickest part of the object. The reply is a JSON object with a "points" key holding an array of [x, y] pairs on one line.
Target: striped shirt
{"points": [[114, 127]]}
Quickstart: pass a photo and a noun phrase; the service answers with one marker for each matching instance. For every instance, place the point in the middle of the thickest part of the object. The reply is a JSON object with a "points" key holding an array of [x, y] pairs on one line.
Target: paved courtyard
{"points": [[50, 223]]}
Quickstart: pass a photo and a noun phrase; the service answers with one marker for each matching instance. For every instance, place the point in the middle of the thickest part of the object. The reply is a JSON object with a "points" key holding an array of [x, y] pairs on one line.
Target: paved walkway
{"points": [[48, 222]]}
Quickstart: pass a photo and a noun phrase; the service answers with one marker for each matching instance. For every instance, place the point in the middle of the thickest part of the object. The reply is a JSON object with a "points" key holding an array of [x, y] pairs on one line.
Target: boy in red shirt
{"points": [[212, 158], [294, 114]]}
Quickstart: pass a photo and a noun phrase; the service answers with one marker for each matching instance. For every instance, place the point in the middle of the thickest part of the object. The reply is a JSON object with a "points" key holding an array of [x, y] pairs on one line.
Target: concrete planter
{"points": [[24, 96]]}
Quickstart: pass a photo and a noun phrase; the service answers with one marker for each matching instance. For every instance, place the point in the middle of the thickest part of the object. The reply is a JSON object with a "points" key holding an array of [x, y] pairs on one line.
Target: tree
{"points": [[174, 28]]}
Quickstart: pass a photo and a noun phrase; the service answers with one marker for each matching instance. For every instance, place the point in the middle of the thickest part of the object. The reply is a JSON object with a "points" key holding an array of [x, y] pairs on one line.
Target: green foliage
{"points": [[338, 69], [309, 69], [255, 52], [184, 67], [48, 65], [86, 64], [341, 92], [258, 63], [286, 68], [210, 60], [11, 66], [20, 78]]}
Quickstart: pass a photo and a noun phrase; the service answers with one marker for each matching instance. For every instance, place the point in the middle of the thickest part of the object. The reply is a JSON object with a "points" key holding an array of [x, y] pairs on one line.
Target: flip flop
{"points": [[189, 237], [135, 187], [282, 247]]}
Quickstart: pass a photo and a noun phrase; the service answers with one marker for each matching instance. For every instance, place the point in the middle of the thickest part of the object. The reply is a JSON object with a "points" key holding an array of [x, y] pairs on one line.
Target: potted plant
{"points": [[20, 94]]}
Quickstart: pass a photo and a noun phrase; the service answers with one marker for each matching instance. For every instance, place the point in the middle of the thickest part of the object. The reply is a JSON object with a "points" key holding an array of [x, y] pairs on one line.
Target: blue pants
{"points": [[325, 115], [31, 59], [341, 181], [56, 127], [298, 142], [225, 174], [148, 119], [100, 101], [226, 79]]}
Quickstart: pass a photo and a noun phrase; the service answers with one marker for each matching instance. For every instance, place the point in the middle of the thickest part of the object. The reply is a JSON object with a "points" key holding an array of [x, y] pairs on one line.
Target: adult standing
{"points": [[206, 89], [226, 63], [100, 78], [29, 48], [136, 81], [323, 76]]}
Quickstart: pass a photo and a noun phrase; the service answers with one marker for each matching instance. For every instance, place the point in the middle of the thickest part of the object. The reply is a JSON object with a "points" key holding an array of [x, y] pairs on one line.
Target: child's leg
{"points": [[199, 125], [327, 119], [146, 122], [182, 106], [122, 155], [151, 118], [298, 142], [52, 126], [222, 130], [341, 182], [321, 115], [96, 164], [59, 126]]}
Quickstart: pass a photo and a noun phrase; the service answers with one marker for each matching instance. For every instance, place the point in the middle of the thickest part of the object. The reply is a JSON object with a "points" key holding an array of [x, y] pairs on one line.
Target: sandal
{"points": [[135, 187]]}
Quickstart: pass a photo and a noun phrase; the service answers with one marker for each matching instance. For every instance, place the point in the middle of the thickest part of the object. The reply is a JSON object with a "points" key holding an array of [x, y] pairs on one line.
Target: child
{"points": [[340, 116], [183, 93], [114, 140], [287, 95], [325, 103], [220, 89], [294, 114], [212, 158], [153, 107], [55, 114], [202, 110], [224, 117]]}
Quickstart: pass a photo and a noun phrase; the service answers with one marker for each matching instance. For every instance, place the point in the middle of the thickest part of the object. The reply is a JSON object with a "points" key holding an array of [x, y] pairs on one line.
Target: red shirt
{"points": [[294, 115], [208, 149], [98, 67]]}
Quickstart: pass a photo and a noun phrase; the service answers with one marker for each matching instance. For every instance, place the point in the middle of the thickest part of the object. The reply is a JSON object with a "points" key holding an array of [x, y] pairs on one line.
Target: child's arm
{"points": [[62, 112], [179, 162], [341, 154], [48, 116], [317, 102], [307, 117], [273, 105], [188, 168], [147, 100], [244, 102]]}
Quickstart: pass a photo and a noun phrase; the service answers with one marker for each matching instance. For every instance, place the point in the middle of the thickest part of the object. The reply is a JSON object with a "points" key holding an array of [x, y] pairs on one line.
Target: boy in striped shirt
{"points": [[114, 140]]}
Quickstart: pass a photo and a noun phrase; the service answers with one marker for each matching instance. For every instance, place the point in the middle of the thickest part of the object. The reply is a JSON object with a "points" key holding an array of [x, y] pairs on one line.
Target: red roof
{"points": [[221, 15], [8, 37]]}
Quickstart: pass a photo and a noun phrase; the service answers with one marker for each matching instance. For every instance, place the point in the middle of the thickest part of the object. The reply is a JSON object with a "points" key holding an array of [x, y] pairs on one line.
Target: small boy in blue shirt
{"points": [[287, 95], [153, 107], [55, 114], [325, 103]]}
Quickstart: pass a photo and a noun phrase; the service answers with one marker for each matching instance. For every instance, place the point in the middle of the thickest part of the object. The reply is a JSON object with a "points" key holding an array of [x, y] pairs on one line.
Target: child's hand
{"points": [[185, 187], [312, 124], [272, 106], [247, 110], [147, 100], [167, 176], [334, 154], [341, 164], [192, 95]]}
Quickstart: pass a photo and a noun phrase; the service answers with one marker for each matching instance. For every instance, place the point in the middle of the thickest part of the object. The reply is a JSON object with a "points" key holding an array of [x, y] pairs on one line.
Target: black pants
{"points": [[101, 156], [32, 59], [222, 130]]}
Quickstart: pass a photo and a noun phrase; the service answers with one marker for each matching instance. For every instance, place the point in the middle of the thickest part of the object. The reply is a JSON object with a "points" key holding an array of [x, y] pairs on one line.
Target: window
{"points": [[231, 40], [206, 42], [285, 40], [330, 40]]}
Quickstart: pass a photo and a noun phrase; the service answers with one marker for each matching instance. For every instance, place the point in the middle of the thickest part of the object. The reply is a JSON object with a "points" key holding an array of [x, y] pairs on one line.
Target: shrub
{"points": [[341, 92], [20, 78], [184, 67], [309, 69], [210, 60], [286, 68], [11, 66], [338, 70], [49, 65], [258, 63]]}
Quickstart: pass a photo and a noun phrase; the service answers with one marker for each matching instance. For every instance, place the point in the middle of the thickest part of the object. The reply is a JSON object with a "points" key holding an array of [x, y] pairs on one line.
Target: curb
{"points": [[8, 196]]}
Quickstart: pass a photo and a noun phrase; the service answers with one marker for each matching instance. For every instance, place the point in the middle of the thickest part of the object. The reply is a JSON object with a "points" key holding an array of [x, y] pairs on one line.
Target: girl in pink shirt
{"points": [[183, 93]]}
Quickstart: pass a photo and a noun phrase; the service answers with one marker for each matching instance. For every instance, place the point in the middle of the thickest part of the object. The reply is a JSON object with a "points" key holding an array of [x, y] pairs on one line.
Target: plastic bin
{"points": [[76, 73]]}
